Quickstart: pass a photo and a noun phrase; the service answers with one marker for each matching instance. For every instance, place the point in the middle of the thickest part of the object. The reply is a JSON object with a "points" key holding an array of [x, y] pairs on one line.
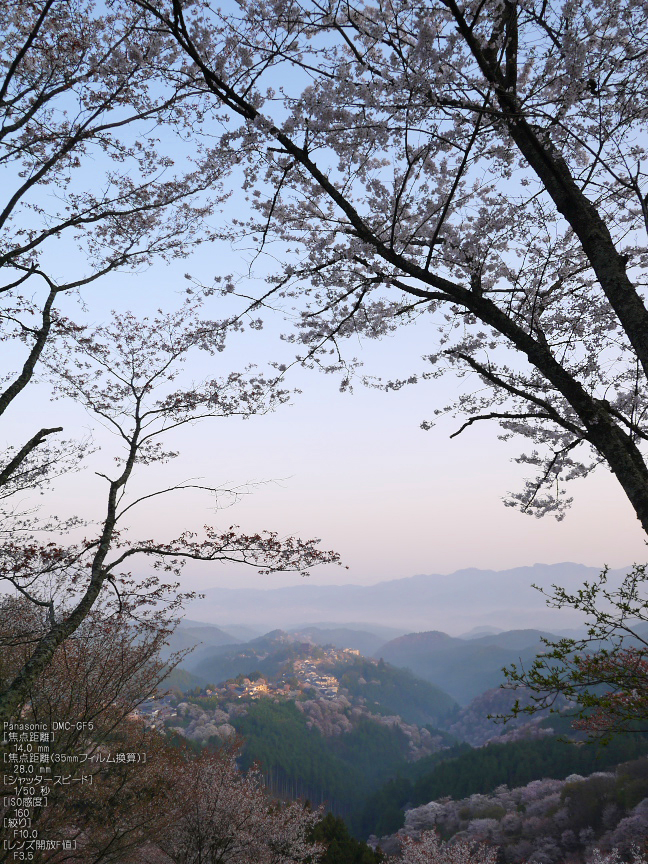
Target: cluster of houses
{"points": [[304, 675], [326, 686], [155, 712], [244, 687]]}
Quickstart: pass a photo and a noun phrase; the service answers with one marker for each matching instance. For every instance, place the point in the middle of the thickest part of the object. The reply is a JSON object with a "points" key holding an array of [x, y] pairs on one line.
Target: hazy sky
{"points": [[355, 470]]}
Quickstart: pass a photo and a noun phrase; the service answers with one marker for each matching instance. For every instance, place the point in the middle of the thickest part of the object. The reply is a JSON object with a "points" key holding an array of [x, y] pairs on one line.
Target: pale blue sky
{"points": [[355, 470]]}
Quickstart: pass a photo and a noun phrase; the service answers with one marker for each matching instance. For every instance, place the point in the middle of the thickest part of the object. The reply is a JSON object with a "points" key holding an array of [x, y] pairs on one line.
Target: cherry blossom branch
{"points": [[498, 416], [12, 466]]}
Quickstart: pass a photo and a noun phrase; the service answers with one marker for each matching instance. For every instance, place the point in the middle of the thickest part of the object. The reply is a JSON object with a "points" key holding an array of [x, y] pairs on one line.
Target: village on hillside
{"points": [[303, 678]]}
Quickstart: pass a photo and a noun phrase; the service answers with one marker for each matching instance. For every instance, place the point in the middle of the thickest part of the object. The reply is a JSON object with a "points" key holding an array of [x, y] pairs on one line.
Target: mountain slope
{"points": [[463, 668], [196, 635]]}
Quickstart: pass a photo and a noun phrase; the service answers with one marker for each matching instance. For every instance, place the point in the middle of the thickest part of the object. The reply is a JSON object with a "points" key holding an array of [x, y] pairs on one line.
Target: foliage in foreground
{"points": [[430, 849], [461, 771], [168, 804], [604, 674]]}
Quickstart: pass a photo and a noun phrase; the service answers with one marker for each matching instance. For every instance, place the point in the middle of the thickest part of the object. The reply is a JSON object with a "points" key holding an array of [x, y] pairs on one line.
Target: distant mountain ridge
{"points": [[457, 602], [191, 634]]}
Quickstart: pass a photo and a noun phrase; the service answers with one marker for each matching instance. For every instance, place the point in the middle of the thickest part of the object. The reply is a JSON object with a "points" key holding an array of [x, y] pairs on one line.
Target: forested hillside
{"points": [[549, 820], [387, 690], [461, 772], [298, 761]]}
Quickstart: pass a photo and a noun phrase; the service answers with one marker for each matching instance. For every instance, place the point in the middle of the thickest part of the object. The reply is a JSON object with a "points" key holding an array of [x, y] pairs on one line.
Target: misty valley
{"points": [[400, 734]]}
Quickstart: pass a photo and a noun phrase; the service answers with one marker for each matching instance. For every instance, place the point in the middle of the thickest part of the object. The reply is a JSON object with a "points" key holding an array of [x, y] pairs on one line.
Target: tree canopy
{"points": [[476, 167]]}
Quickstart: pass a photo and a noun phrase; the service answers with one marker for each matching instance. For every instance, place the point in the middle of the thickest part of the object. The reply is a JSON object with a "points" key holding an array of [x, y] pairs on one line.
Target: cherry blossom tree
{"points": [[430, 849], [95, 679], [85, 101], [613, 857], [126, 375], [225, 816], [165, 803], [106, 167], [476, 167]]}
